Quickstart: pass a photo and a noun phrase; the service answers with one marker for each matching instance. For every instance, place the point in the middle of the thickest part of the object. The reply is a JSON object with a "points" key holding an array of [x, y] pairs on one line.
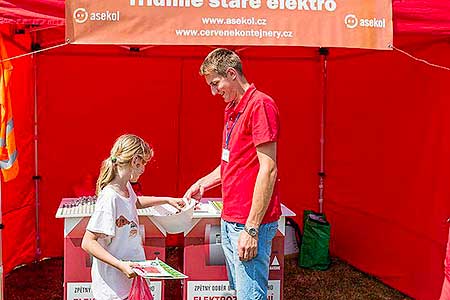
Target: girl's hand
{"points": [[125, 267], [178, 203]]}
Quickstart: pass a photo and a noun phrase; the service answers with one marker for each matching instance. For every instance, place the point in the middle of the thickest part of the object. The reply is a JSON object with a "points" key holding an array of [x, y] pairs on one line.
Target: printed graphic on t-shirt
{"points": [[122, 221], [133, 229]]}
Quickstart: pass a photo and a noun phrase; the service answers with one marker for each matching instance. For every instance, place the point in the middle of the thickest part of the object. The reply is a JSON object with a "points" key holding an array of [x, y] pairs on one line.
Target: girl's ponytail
{"points": [[107, 174]]}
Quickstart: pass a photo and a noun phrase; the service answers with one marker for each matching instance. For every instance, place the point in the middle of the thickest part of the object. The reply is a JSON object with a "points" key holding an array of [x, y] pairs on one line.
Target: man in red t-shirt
{"points": [[247, 173]]}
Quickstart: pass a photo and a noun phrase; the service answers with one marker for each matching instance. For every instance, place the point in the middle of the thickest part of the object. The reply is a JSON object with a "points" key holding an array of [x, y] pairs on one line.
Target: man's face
{"points": [[224, 86]]}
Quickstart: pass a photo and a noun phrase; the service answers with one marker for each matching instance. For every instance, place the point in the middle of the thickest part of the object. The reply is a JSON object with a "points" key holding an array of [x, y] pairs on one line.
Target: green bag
{"points": [[314, 251]]}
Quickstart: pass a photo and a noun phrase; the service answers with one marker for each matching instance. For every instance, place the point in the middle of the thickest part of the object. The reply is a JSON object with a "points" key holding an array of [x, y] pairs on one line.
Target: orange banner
{"points": [[319, 23]]}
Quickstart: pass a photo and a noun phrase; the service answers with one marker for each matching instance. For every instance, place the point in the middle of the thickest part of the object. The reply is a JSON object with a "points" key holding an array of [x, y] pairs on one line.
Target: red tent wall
{"points": [[86, 101], [388, 164]]}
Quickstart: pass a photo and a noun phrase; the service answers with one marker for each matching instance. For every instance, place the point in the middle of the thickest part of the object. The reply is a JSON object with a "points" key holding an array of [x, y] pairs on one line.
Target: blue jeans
{"points": [[248, 278]]}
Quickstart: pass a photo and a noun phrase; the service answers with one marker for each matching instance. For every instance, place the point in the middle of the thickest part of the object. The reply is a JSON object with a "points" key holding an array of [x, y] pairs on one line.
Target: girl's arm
{"points": [[93, 247], [147, 201]]}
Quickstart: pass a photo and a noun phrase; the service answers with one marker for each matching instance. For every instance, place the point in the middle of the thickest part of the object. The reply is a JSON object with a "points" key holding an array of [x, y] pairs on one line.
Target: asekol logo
{"points": [[351, 21], [80, 15], [275, 265]]}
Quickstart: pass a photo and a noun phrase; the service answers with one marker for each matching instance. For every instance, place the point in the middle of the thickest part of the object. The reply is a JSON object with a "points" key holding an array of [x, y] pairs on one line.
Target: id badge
{"points": [[225, 155]]}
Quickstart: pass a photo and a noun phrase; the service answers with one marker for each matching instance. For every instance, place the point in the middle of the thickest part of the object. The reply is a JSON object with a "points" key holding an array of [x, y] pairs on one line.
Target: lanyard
{"points": [[228, 133]]}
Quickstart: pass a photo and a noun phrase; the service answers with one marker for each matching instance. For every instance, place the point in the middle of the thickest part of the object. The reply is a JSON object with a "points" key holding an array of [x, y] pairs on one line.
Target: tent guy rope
{"points": [[34, 52], [419, 59]]}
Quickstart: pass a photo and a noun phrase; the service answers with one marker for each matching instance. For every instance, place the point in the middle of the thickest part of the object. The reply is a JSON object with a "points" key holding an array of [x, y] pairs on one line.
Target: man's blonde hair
{"points": [[125, 148], [219, 60]]}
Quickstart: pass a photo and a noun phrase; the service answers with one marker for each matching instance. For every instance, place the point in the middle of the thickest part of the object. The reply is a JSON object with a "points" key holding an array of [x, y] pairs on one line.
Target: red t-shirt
{"points": [[257, 123]]}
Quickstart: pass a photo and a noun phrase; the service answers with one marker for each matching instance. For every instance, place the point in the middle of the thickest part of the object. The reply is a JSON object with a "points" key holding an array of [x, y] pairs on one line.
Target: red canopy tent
{"points": [[387, 150]]}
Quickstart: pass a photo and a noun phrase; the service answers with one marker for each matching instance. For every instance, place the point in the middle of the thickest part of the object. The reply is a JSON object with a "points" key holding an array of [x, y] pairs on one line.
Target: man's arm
{"points": [[203, 184], [265, 181]]}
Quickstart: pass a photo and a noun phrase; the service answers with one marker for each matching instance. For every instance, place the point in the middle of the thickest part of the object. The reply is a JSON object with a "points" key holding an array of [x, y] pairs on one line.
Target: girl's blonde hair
{"points": [[125, 148]]}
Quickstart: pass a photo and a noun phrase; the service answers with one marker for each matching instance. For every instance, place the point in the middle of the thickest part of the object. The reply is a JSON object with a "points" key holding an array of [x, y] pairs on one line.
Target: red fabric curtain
{"points": [[163, 99], [388, 165]]}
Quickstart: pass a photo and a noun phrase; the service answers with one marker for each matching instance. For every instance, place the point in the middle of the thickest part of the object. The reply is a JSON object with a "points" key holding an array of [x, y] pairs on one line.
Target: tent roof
{"points": [[412, 16], [32, 12]]}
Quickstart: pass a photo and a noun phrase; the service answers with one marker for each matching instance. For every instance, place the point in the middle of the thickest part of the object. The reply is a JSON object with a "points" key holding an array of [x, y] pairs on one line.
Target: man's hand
{"points": [[196, 192], [247, 246]]}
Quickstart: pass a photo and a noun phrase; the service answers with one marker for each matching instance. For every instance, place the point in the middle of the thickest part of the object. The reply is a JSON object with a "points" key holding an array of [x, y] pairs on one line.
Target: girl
{"points": [[112, 235]]}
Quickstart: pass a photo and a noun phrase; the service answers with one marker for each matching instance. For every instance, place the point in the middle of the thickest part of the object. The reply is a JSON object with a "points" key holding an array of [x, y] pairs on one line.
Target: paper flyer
{"points": [[157, 269]]}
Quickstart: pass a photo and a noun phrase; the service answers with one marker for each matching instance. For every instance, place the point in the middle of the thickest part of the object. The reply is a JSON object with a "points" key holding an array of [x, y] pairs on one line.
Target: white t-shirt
{"points": [[116, 217]]}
